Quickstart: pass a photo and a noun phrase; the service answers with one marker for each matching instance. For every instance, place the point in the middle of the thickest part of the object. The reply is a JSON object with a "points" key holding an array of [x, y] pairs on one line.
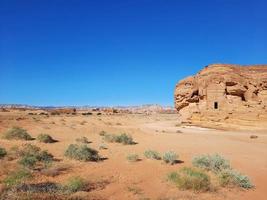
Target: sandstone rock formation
{"points": [[223, 92]]}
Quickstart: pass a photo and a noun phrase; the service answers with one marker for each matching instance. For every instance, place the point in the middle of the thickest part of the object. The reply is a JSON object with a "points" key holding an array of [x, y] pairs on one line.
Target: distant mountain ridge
{"points": [[138, 107]]}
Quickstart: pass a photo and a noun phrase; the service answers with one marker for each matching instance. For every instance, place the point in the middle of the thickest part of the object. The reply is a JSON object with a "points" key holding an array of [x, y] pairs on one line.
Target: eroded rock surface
{"points": [[223, 92]]}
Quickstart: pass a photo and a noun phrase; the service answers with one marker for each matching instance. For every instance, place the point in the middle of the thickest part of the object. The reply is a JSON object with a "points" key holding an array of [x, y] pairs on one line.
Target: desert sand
{"points": [[118, 179]]}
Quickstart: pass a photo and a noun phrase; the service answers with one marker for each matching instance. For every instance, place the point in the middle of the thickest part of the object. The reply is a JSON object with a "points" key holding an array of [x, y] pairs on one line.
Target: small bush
{"points": [[83, 140], [31, 154], [75, 184], [28, 161], [2, 152], [150, 154], [170, 157], [45, 138], [190, 179], [123, 138], [214, 163], [133, 158], [102, 133], [253, 137], [234, 178], [16, 177], [82, 153], [17, 133]]}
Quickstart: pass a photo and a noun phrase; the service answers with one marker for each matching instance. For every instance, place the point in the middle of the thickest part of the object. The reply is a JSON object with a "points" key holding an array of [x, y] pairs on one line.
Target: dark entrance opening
{"points": [[215, 105]]}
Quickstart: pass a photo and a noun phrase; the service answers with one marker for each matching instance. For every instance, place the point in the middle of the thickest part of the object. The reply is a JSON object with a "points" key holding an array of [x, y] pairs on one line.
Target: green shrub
{"points": [[28, 161], [234, 178], [214, 163], [133, 158], [83, 140], [17, 177], [170, 157], [2, 152], [17, 133], [122, 138], [82, 153], [190, 179], [31, 154], [45, 138], [75, 184], [150, 154]]}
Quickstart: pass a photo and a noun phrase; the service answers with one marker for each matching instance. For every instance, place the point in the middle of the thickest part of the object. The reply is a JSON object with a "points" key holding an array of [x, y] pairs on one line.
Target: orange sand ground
{"points": [[145, 179]]}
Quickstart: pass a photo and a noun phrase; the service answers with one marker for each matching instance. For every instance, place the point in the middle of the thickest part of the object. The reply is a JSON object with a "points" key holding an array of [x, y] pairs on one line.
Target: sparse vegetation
{"points": [[83, 140], [190, 179], [150, 154], [135, 190], [122, 138], [133, 157], [234, 178], [31, 154], [82, 153], [17, 177], [214, 163], [87, 113], [253, 137], [102, 133], [75, 184], [17, 133], [2, 152], [170, 157], [45, 138]]}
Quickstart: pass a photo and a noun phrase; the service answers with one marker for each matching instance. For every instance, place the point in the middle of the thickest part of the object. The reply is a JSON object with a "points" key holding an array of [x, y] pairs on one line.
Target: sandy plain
{"points": [[118, 179]]}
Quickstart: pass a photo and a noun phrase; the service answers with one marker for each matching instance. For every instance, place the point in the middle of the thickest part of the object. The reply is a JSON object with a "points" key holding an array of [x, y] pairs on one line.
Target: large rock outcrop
{"points": [[223, 92]]}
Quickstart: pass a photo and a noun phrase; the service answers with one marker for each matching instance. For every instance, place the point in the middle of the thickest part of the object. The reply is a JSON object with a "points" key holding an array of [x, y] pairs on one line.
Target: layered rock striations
{"points": [[224, 93]]}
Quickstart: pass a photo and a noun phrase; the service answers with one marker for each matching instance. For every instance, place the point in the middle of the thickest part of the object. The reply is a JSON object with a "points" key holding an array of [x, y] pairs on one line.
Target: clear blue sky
{"points": [[128, 52]]}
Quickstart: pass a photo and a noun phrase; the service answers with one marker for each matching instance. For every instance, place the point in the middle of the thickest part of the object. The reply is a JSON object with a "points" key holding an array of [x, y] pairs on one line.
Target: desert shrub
{"points": [[132, 158], [234, 178], [31, 154], [17, 177], [214, 163], [253, 137], [83, 140], [102, 133], [75, 184], [28, 161], [122, 138], [17, 133], [82, 153], [150, 154], [41, 188], [45, 138], [88, 113], [170, 157], [2, 152], [190, 178]]}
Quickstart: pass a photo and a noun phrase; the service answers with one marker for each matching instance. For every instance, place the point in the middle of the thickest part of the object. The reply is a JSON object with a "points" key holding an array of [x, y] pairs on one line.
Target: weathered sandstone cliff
{"points": [[224, 93]]}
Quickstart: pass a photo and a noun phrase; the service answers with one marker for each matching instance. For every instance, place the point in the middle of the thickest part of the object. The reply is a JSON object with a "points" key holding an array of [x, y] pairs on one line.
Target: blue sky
{"points": [[128, 52]]}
